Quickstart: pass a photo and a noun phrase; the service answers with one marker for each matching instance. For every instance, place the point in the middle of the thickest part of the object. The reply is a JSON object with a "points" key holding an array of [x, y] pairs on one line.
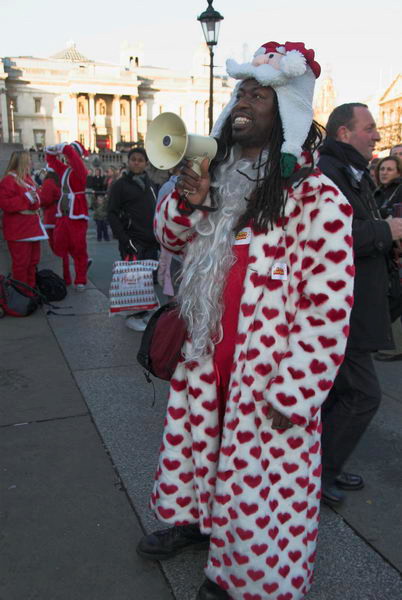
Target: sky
{"points": [[357, 41]]}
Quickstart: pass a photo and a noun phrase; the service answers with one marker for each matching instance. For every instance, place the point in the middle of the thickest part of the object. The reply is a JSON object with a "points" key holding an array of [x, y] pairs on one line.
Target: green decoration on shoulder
{"points": [[288, 163]]}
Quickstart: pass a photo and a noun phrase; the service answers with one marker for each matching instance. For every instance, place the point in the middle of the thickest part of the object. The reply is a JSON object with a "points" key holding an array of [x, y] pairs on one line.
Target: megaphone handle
{"points": [[196, 166]]}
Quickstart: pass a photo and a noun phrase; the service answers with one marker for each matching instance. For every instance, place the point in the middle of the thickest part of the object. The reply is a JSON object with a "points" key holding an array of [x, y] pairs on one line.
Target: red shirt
{"points": [[224, 350]]}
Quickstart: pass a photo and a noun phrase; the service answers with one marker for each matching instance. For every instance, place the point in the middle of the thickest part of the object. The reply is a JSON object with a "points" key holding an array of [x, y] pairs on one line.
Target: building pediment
{"points": [[71, 54], [394, 91]]}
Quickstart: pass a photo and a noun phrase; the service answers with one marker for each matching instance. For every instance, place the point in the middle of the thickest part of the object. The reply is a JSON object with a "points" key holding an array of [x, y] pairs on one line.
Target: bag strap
{"points": [[393, 194], [15, 282]]}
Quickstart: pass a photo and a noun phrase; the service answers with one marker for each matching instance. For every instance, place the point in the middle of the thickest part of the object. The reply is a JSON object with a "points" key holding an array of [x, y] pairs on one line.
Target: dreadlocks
{"points": [[267, 202]]}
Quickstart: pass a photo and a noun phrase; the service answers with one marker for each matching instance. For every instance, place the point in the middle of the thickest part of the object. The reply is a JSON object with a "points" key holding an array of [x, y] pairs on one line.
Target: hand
{"points": [[60, 147], [51, 150], [395, 225], [279, 421], [194, 187], [130, 248]]}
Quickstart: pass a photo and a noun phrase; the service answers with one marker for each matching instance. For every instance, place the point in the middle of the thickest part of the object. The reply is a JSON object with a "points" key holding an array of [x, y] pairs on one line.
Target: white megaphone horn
{"points": [[167, 143]]}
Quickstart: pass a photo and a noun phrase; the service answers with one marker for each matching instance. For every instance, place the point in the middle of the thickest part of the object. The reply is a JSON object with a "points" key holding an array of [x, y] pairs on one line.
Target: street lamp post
{"points": [[210, 21], [94, 132]]}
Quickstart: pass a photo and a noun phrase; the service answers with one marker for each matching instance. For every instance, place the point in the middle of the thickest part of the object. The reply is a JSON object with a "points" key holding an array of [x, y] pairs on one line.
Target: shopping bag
{"points": [[132, 287]]}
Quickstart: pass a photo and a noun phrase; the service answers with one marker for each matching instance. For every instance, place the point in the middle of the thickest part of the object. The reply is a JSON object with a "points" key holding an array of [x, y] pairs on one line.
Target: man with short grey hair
{"points": [[354, 399], [396, 151]]}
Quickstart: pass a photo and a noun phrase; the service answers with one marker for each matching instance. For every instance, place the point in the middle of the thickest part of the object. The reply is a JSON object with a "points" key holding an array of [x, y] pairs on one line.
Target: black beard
{"points": [[257, 139]]}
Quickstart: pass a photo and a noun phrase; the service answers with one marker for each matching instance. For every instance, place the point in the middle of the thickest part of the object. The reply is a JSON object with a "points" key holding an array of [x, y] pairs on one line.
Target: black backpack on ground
{"points": [[50, 285], [16, 298]]}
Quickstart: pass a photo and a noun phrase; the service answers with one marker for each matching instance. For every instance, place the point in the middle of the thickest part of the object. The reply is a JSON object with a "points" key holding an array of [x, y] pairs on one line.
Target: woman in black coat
{"points": [[389, 192]]}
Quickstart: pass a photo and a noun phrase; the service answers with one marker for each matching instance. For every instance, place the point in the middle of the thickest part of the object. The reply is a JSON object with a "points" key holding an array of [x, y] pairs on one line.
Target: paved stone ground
{"points": [[77, 473]]}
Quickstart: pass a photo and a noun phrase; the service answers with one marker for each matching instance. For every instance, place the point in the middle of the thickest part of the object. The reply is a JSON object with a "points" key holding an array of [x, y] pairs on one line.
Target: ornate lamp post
{"points": [[94, 133], [210, 21]]}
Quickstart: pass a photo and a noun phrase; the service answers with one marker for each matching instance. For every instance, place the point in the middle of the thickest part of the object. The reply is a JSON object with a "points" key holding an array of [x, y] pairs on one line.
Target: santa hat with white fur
{"points": [[290, 69], [79, 148]]}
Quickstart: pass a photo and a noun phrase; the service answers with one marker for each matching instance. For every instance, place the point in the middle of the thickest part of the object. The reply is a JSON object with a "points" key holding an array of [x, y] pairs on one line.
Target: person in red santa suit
{"points": [[22, 225], [49, 194], [266, 290], [69, 237]]}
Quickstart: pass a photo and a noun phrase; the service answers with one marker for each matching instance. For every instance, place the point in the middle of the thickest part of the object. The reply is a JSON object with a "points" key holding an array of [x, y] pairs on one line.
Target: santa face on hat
{"points": [[291, 70]]}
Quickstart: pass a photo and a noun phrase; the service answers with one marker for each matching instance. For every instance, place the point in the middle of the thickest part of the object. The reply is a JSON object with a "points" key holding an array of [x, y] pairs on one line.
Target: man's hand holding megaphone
{"points": [[192, 187]]}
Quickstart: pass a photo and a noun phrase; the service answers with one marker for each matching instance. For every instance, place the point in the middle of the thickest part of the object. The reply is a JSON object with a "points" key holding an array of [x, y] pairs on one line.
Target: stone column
{"points": [[133, 119], [4, 115], [115, 120], [73, 118], [91, 117]]}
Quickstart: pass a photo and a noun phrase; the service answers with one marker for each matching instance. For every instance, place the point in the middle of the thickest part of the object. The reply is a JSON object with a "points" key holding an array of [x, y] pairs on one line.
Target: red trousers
{"points": [[70, 238], [25, 257], [65, 258]]}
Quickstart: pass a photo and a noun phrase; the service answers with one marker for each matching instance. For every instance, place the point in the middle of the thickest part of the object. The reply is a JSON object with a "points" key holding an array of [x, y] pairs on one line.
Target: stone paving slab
{"points": [[35, 382], [376, 511], [390, 375], [95, 341], [68, 531]]}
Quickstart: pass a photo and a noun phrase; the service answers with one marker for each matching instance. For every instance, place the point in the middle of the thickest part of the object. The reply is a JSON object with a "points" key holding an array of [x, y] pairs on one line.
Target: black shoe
{"points": [[387, 357], [331, 495], [211, 591], [166, 543], [349, 481]]}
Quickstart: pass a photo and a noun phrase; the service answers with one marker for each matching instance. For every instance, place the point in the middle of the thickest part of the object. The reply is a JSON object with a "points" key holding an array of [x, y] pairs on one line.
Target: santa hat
{"points": [[79, 148], [290, 69]]}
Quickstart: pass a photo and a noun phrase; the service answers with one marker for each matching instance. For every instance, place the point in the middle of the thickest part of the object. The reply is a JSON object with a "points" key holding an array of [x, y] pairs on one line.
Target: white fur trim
{"points": [[265, 74], [293, 63], [259, 52], [295, 107], [217, 128]]}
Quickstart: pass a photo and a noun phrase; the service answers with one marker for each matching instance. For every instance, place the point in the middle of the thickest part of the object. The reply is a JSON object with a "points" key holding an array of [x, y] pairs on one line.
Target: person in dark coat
{"points": [[389, 190], [131, 212], [356, 394]]}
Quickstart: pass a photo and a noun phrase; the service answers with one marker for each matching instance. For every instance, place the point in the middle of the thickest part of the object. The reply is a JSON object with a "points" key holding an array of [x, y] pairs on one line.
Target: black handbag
{"points": [[394, 290]]}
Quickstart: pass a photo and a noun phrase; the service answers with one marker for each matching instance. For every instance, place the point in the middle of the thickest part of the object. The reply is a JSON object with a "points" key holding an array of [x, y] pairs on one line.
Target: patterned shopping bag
{"points": [[132, 287]]}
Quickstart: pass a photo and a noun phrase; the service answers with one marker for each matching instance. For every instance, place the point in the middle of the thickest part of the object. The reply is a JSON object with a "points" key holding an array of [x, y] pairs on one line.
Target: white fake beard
{"points": [[210, 256]]}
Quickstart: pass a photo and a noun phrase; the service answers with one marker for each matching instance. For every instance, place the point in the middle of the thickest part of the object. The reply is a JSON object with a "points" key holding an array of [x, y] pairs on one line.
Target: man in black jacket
{"points": [[130, 214], [356, 394]]}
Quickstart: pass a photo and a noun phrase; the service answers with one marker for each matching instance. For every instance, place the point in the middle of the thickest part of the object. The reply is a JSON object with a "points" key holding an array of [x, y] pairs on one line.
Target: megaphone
{"points": [[167, 143]]}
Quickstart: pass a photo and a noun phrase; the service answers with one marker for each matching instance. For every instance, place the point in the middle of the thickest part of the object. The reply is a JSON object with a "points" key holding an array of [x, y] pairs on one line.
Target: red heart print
{"points": [[183, 501], [244, 436], [244, 534], [240, 558], [174, 440], [255, 575], [166, 513], [272, 561], [176, 413], [168, 489], [251, 481], [171, 465]]}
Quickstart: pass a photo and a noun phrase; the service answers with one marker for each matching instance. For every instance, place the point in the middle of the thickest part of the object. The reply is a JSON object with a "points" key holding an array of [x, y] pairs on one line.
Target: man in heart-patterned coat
{"points": [[266, 293]]}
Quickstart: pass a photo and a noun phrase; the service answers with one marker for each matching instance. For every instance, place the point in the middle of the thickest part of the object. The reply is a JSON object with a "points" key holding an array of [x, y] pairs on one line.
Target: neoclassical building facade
{"points": [[390, 115], [68, 96]]}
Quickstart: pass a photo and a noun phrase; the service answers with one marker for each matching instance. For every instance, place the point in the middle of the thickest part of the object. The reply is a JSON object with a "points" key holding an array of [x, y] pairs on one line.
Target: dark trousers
{"points": [[102, 230], [348, 410], [142, 254]]}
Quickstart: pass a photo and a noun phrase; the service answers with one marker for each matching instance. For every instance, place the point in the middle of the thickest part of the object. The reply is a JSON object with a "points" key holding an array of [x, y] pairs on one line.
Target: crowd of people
{"points": [[287, 244]]}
